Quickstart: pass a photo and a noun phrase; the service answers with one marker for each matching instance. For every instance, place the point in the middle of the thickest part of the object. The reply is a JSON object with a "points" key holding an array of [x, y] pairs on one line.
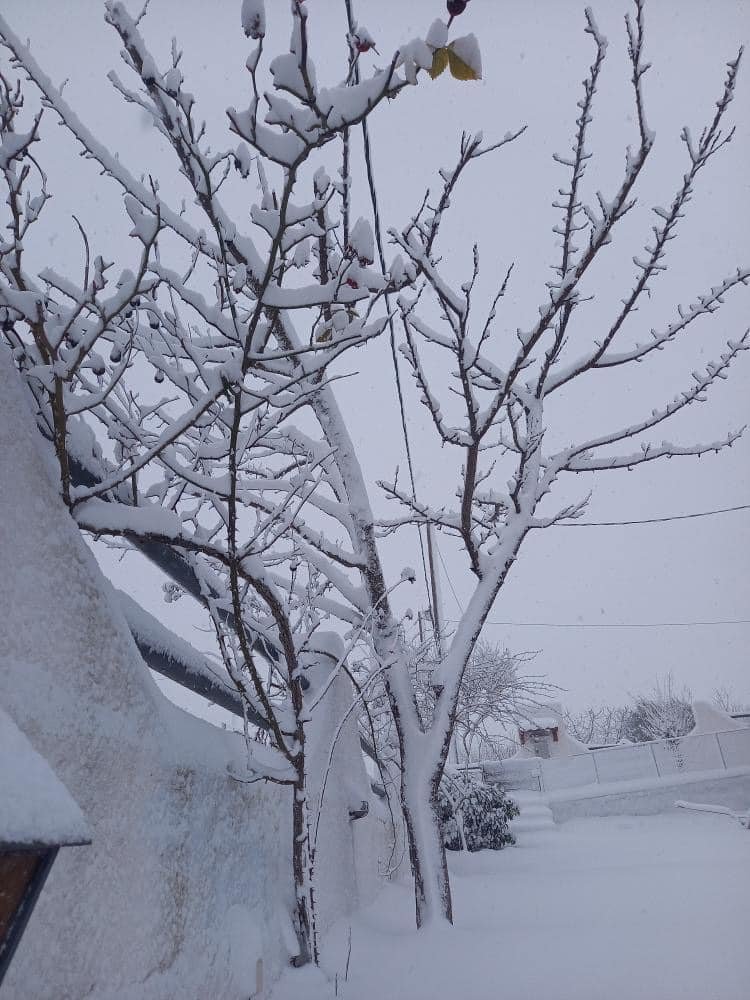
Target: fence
{"points": [[631, 762]]}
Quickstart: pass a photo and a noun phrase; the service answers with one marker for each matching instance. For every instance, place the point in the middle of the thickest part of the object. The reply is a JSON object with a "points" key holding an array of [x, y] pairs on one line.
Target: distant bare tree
{"points": [[496, 693], [726, 699], [598, 726], [664, 713]]}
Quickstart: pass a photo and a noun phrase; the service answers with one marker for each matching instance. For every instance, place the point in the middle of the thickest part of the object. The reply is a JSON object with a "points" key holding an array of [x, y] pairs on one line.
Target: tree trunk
{"points": [[432, 891], [302, 868]]}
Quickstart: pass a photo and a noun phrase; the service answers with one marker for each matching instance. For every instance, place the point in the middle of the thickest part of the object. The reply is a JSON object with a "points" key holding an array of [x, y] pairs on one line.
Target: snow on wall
{"points": [[348, 867], [731, 789], [35, 807], [697, 752], [711, 719], [187, 881]]}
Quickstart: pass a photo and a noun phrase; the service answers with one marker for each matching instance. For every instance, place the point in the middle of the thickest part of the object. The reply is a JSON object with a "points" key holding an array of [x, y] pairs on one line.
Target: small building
{"points": [[538, 734], [544, 735]]}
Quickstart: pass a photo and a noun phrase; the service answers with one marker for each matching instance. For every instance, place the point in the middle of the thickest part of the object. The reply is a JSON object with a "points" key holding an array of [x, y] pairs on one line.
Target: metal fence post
{"points": [[721, 751], [656, 763]]}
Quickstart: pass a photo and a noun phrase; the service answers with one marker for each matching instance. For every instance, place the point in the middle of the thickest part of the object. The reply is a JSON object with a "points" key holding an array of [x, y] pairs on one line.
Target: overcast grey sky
{"points": [[535, 55]]}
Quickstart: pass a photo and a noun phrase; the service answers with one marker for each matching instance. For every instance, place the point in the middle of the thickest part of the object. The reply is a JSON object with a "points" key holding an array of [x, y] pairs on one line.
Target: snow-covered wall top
{"points": [[35, 807], [710, 719]]}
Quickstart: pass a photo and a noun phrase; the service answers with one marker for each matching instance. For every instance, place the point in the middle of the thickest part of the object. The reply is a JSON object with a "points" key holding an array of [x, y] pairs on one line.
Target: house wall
{"points": [[187, 881]]}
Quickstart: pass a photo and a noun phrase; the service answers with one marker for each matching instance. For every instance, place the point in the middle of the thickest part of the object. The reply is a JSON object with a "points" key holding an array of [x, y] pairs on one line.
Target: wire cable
{"points": [[650, 520], [391, 326], [692, 624], [448, 578]]}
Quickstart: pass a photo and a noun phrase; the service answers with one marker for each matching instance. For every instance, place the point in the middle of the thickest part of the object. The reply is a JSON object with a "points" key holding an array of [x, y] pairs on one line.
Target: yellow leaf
{"points": [[439, 62], [459, 69]]}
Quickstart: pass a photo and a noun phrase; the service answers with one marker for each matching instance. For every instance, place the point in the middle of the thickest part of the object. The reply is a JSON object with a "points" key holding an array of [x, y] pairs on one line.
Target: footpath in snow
{"points": [[611, 908]]}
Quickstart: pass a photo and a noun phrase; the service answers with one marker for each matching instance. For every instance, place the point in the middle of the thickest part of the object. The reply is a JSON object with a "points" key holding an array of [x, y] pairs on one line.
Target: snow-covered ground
{"points": [[610, 908]]}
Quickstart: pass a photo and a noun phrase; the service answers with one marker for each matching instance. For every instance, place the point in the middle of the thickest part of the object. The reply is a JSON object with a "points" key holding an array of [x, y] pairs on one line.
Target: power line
{"points": [[448, 578], [626, 625], [692, 624], [650, 520], [367, 149]]}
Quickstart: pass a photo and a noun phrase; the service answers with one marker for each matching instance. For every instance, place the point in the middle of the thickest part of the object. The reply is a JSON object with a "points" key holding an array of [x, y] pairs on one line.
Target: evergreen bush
{"points": [[478, 811]]}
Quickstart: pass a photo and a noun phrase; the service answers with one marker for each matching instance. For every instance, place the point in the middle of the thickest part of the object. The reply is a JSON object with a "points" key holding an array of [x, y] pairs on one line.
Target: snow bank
{"points": [[603, 909], [710, 719]]}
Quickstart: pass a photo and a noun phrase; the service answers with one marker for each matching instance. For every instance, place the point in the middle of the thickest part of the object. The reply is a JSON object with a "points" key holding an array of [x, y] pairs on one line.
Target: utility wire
{"points": [[448, 577], [607, 524], [696, 624], [650, 520], [391, 325]]}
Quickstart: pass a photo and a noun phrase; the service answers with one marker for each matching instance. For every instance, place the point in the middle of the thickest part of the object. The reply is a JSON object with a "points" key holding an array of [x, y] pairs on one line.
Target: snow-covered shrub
{"points": [[474, 816]]}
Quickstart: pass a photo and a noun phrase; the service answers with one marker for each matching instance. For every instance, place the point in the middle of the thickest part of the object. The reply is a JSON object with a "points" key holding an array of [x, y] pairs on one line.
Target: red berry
{"points": [[456, 7], [352, 283], [364, 46]]}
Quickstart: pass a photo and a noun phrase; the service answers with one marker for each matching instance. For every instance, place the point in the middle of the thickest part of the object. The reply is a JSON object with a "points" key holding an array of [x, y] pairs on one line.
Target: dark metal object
{"points": [[171, 561], [214, 691], [361, 811], [207, 687], [179, 570]]}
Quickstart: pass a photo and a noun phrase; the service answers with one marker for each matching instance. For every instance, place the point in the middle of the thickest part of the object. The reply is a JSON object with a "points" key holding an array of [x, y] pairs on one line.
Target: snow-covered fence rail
{"points": [[568, 772], [624, 763], [735, 747], [699, 753]]}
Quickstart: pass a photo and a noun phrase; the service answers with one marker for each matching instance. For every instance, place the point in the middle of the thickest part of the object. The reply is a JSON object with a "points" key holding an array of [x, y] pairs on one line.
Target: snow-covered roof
{"points": [[539, 722], [35, 806]]}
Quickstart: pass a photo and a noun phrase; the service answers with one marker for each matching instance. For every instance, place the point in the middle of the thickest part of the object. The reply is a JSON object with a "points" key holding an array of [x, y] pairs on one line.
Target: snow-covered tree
{"points": [[475, 816], [727, 700], [599, 725], [664, 713], [246, 467], [174, 390], [495, 694], [501, 403]]}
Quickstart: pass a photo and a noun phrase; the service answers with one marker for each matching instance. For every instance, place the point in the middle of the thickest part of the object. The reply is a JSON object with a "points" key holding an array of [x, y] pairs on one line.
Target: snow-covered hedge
{"points": [[474, 816]]}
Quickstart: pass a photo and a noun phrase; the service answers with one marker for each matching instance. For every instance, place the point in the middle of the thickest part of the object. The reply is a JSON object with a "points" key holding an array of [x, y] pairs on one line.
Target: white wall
{"points": [[186, 882], [732, 790], [658, 759]]}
